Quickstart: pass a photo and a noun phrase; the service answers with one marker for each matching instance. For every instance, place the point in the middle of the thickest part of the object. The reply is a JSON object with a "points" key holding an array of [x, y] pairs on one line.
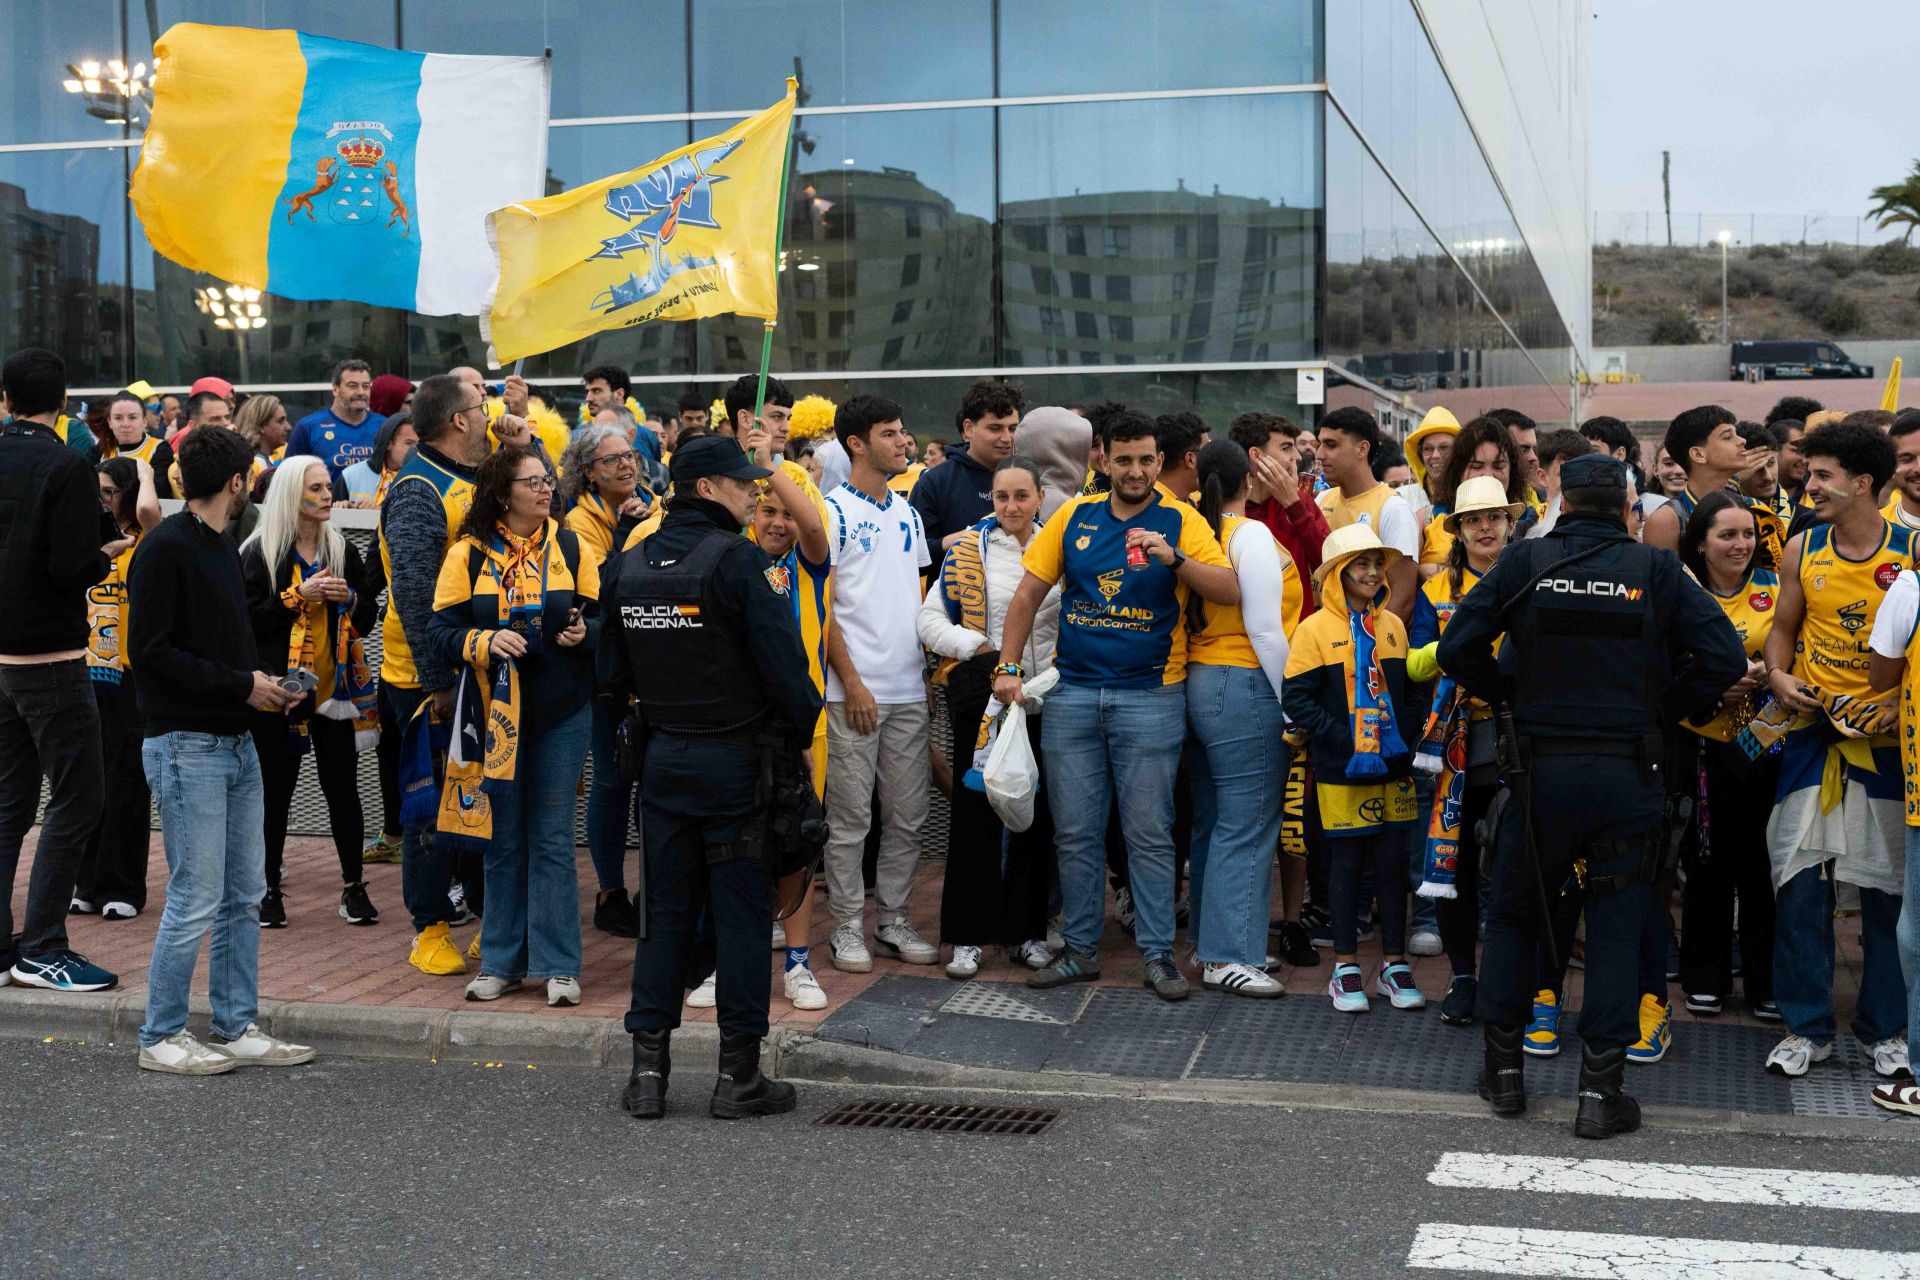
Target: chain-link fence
{"points": [[1702, 229]]}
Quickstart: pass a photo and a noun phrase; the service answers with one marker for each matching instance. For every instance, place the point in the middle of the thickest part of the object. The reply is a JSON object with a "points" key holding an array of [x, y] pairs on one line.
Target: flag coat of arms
{"points": [[325, 169], [691, 234]]}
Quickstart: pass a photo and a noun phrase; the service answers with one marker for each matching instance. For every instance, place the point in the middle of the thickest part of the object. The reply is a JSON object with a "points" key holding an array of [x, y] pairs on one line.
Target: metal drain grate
{"points": [[940, 1117]]}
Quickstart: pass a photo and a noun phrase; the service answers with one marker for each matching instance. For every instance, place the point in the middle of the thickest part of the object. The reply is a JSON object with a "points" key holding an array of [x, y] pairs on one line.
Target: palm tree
{"points": [[1899, 204]]}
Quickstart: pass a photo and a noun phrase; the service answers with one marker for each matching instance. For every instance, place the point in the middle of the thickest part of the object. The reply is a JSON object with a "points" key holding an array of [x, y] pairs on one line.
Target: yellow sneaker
{"points": [[1656, 1031], [473, 948], [433, 952], [1543, 1032]]}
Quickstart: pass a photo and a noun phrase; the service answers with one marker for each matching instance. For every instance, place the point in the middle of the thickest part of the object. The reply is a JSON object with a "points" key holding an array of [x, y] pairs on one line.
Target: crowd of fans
{"points": [[1265, 704]]}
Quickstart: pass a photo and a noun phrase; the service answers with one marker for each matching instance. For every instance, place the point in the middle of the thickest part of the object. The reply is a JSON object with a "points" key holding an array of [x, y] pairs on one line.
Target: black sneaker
{"points": [[1296, 944], [356, 907], [1166, 979], [1705, 1005], [1319, 925], [1457, 1009], [273, 911], [615, 913]]}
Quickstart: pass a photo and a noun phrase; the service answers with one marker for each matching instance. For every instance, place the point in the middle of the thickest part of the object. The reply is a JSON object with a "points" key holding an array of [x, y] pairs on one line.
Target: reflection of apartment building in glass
{"points": [[881, 272], [1145, 277], [49, 263]]}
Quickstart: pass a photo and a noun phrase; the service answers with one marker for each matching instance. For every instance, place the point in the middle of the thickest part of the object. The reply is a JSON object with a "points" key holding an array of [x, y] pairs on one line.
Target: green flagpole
{"points": [[779, 241]]}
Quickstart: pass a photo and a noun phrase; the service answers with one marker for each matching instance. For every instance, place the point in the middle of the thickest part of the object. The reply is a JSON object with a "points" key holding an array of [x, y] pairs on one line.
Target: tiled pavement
{"points": [[1112, 1028]]}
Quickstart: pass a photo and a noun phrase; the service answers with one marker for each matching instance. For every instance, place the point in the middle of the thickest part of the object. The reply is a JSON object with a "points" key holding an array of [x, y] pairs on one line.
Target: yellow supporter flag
{"points": [[1890, 397], [694, 233]]}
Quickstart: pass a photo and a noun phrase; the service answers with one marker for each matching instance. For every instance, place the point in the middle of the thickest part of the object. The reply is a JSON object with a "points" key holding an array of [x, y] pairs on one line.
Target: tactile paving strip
{"points": [[1840, 1086], [1142, 1055], [993, 1000], [1297, 1038], [1391, 1048]]}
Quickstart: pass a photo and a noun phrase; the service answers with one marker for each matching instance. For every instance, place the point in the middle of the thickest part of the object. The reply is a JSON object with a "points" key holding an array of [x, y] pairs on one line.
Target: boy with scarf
{"points": [[1346, 688]]}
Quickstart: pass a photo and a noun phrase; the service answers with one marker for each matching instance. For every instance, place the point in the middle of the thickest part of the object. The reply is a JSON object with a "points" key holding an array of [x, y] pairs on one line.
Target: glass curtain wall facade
{"points": [[1168, 202]]}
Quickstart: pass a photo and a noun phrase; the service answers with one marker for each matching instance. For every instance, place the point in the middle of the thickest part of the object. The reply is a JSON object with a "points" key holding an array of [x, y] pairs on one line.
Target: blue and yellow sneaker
{"points": [[1656, 1031], [1542, 1039]]}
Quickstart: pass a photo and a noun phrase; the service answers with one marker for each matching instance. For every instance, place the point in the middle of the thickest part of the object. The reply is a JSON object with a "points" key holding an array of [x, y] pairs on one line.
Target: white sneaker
{"points": [[703, 996], [779, 937], [965, 962], [1425, 942], [803, 989], [489, 987], [181, 1055], [79, 906], [848, 948], [898, 940], [255, 1048], [562, 991], [1890, 1057], [1032, 953], [1793, 1055], [1241, 980], [119, 911]]}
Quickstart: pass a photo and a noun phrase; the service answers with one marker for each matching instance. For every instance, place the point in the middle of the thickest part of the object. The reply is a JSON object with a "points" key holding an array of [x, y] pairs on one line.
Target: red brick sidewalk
{"points": [[321, 958]]}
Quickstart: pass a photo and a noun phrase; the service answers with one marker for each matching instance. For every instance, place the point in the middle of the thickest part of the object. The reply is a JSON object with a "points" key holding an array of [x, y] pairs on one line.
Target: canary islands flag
{"points": [[324, 169], [693, 233]]}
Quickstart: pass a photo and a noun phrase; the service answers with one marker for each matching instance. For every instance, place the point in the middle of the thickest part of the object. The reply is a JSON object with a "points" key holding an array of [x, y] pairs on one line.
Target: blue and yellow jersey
{"points": [[1120, 627], [1319, 699], [1435, 540], [456, 495], [1769, 526], [1223, 641], [903, 483], [144, 450], [594, 522], [810, 587], [1842, 599], [1434, 604], [1750, 610]]}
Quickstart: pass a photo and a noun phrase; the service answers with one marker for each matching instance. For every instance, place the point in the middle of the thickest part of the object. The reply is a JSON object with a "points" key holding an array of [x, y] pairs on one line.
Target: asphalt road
{"points": [[457, 1171]]}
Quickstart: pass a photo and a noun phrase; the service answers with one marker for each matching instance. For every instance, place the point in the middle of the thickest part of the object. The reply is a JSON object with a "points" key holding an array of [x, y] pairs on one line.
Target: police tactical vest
{"points": [[693, 673], [1588, 642]]}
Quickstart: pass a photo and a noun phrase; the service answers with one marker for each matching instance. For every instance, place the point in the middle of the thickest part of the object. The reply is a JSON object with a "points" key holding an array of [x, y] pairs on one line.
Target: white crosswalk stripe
{"points": [[1523, 1251], [1519, 1251], [1714, 1184]]}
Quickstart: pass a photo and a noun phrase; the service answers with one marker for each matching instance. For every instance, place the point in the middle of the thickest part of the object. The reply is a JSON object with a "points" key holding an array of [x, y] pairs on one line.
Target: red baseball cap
{"points": [[219, 386]]}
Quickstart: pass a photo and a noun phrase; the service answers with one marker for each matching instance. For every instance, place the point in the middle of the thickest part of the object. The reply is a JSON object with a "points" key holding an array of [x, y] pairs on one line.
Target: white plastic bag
{"points": [[1012, 774]]}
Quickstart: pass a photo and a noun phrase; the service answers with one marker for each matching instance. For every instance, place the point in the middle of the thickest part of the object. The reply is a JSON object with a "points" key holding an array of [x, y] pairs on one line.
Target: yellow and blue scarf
{"points": [[1443, 753], [352, 695], [1369, 709], [483, 754]]}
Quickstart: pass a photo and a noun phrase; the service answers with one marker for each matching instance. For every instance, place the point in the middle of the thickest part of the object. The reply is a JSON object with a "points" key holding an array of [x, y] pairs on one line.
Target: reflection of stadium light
{"points": [[809, 266], [111, 92]]}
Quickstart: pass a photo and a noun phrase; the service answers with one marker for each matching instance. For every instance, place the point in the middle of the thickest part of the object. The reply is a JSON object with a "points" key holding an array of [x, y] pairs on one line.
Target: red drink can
{"points": [[1136, 556]]}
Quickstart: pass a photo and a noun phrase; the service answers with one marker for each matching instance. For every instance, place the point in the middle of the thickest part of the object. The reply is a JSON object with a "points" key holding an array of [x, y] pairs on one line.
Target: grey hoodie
{"points": [[1060, 441]]}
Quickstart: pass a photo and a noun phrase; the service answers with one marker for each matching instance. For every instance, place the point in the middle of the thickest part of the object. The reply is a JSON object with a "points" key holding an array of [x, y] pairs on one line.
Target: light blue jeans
{"points": [[213, 824], [1907, 937], [1238, 766], [1099, 742], [532, 925]]}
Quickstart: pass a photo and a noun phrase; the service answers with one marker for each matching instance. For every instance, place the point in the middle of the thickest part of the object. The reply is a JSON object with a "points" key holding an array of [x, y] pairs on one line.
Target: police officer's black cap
{"points": [[713, 456], [1593, 471]]}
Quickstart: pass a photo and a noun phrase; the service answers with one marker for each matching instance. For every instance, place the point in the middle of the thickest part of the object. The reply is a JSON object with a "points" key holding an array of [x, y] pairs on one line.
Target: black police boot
{"points": [[1502, 1079], [1604, 1109], [645, 1097], [741, 1090]]}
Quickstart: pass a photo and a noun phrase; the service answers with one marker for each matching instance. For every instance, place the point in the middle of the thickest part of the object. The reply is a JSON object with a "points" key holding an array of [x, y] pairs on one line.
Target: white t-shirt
{"points": [[1899, 609], [1399, 527], [878, 553]]}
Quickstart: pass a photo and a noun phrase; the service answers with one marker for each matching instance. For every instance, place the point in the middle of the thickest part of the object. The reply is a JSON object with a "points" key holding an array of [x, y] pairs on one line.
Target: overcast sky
{"points": [[1768, 106]]}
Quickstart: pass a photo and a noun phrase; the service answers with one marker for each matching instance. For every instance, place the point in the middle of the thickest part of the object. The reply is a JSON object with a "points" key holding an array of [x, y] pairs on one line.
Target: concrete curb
{"points": [[454, 1035]]}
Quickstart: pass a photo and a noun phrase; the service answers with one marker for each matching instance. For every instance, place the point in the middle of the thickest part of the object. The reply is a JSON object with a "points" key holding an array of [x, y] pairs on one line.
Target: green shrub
{"points": [[1838, 263], [1674, 329], [1842, 314], [1769, 253], [1891, 259]]}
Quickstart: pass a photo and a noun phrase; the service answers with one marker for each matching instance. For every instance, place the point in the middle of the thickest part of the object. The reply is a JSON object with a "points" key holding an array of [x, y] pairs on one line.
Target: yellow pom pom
{"points": [[716, 415], [812, 417]]}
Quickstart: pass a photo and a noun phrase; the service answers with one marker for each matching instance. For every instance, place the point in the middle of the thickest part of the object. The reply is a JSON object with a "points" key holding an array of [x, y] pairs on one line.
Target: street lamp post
{"points": [[1723, 237]]}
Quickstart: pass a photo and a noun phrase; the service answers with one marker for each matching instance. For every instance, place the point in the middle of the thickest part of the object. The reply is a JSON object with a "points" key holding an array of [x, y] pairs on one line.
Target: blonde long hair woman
{"points": [[310, 600], [263, 421]]}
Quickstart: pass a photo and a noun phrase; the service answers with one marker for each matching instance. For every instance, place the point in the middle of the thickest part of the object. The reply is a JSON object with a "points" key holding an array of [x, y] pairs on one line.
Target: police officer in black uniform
{"points": [[1609, 642], [709, 650]]}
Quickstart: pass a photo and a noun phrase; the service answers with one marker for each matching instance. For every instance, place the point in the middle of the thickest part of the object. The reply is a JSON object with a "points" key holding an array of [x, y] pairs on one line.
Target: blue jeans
{"points": [[1099, 742], [609, 802], [1803, 960], [213, 823], [532, 925], [1907, 935], [1238, 766]]}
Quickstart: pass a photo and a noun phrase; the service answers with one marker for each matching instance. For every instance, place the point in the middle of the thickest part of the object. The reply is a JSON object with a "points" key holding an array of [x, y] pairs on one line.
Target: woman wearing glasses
{"points": [[514, 613], [600, 480]]}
